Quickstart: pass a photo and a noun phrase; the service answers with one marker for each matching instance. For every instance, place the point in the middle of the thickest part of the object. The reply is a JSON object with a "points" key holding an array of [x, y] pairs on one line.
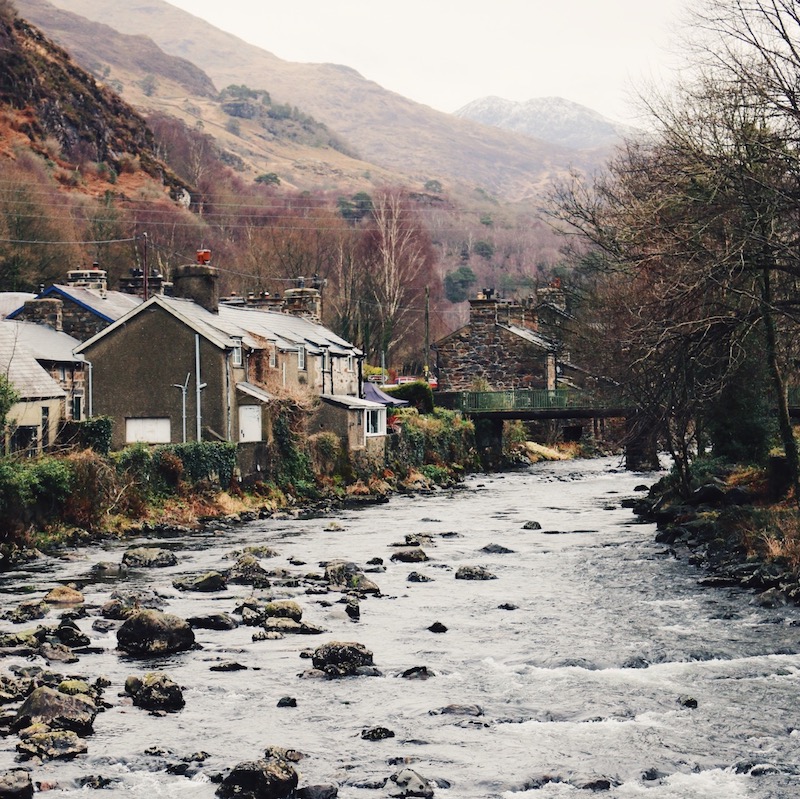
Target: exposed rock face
{"points": [[149, 558], [58, 711], [156, 691], [259, 779], [342, 659], [151, 632]]}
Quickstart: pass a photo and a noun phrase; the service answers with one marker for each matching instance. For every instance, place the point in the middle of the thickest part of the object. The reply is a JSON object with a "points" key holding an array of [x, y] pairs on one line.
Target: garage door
{"points": [[149, 429]]}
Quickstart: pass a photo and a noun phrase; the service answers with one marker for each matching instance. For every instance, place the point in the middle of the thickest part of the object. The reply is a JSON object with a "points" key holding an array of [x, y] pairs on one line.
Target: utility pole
{"points": [[145, 287], [426, 369]]}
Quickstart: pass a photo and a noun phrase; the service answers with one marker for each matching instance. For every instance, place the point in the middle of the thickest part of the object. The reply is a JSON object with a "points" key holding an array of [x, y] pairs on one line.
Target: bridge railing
{"points": [[523, 399]]}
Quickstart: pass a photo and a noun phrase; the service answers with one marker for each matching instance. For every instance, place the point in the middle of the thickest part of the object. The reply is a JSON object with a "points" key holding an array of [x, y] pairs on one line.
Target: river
{"points": [[578, 655]]}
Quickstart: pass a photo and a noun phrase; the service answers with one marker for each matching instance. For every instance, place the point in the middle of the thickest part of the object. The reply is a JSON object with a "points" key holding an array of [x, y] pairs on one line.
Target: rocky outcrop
{"points": [[150, 632]]}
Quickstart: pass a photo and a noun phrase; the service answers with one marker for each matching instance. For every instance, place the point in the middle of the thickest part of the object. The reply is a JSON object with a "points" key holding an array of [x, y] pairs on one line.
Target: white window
{"points": [[349, 363], [273, 357], [376, 421], [148, 429], [236, 352], [301, 358]]}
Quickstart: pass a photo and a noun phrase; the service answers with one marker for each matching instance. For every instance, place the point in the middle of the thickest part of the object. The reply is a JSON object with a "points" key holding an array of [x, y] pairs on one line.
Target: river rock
{"points": [[342, 659], [63, 595], [213, 621], [151, 632], [458, 710], [259, 779], [377, 734], [437, 627], [418, 577], [408, 782], [16, 784], [497, 549], [70, 634], [248, 571], [156, 691], [347, 576], [531, 526], [415, 555], [317, 792], [74, 686], [208, 582], [353, 608], [58, 711], [56, 745], [149, 558], [57, 653], [283, 609], [13, 690], [28, 611], [474, 573]]}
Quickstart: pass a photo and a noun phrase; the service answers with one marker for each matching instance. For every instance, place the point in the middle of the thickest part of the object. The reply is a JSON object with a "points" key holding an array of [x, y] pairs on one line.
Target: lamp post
{"points": [[183, 389]]}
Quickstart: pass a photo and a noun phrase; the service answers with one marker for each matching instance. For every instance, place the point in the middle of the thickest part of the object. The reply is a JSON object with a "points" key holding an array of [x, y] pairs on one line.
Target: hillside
{"points": [[54, 108], [386, 130], [552, 119]]}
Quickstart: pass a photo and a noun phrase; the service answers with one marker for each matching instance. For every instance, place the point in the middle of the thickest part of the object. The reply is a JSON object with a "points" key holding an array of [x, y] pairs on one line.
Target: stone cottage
{"points": [[500, 347]]}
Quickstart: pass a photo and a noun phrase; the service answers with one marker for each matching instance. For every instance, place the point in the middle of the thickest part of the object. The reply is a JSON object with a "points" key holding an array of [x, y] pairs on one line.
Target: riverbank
{"points": [[83, 496], [738, 526]]}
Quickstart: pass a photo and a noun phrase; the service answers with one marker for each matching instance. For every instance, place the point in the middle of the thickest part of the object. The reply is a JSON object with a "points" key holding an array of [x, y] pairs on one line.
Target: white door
{"points": [[249, 423], [151, 430]]}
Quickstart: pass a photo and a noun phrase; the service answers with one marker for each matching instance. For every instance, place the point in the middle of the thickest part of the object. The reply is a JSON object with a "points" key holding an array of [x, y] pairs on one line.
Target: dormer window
{"points": [[236, 352]]}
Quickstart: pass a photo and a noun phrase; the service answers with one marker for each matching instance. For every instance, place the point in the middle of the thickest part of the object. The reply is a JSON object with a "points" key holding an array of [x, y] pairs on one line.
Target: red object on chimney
{"points": [[203, 256]]}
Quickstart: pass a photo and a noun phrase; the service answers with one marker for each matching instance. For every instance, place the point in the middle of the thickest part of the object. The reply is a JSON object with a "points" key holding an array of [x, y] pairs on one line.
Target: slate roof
{"points": [[109, 305], [44, 343], [253, 326], [13, 301], [346, 401], [18, 362], [534, 338]]}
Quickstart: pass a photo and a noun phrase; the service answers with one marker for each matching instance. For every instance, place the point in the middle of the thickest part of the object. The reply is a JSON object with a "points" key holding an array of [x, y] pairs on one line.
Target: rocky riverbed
{"points": [[520, 635]]}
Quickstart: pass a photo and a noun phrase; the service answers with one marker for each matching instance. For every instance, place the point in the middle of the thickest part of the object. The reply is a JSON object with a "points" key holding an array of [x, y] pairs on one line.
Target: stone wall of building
{"points": [[485, 352]]}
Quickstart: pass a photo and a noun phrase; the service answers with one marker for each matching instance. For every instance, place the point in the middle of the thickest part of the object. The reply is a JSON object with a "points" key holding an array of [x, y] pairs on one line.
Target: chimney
{"points": [[305, 299], [198, 282], [44, 311], [94, 278]]}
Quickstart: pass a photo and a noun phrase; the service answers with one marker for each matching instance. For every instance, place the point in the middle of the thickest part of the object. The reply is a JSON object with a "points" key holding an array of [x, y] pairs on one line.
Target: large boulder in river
{"points": [[248, 571], [52, 745], [343, 659], [474, 573], [56, 710], [16, 784], [344, 575], [156, 691], [63, 595], [149, 558], [408, 782], [271, 778], [151, 632], [208, 582]]}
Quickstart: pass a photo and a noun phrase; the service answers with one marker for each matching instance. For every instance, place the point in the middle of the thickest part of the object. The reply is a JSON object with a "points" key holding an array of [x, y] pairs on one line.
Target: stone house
{"points": [[500, 346], [81, 308], [359, 423], [190, 367], [50, 380]]}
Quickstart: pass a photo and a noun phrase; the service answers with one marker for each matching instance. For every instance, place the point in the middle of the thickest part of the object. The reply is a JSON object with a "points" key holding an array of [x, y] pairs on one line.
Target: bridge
{"points": [[491, 408], [534, 403]]}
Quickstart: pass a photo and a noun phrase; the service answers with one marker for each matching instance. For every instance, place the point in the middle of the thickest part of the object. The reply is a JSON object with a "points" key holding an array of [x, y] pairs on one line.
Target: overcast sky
{"points": [[445, 53]]}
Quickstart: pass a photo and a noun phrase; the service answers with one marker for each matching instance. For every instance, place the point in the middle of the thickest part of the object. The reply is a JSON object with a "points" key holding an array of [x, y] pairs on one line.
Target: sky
{"points": [[446, 53]]}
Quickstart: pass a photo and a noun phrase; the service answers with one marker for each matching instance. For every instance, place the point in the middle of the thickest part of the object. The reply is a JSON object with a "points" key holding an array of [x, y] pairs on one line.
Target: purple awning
{"points": [[373, 393]]}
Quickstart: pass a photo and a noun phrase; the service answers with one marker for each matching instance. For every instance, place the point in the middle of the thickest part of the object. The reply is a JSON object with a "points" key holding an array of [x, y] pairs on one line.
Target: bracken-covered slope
{"points": [[384, 128], [47, 96]]}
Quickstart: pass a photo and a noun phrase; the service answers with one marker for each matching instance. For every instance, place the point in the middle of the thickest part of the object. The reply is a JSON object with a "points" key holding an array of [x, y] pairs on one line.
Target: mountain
{"points": [[386, 131], [552, 119]]}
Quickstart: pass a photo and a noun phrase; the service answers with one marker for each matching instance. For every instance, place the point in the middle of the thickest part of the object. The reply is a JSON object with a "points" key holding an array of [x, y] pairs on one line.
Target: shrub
{"points": [[95, 490], [418, 394]]}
